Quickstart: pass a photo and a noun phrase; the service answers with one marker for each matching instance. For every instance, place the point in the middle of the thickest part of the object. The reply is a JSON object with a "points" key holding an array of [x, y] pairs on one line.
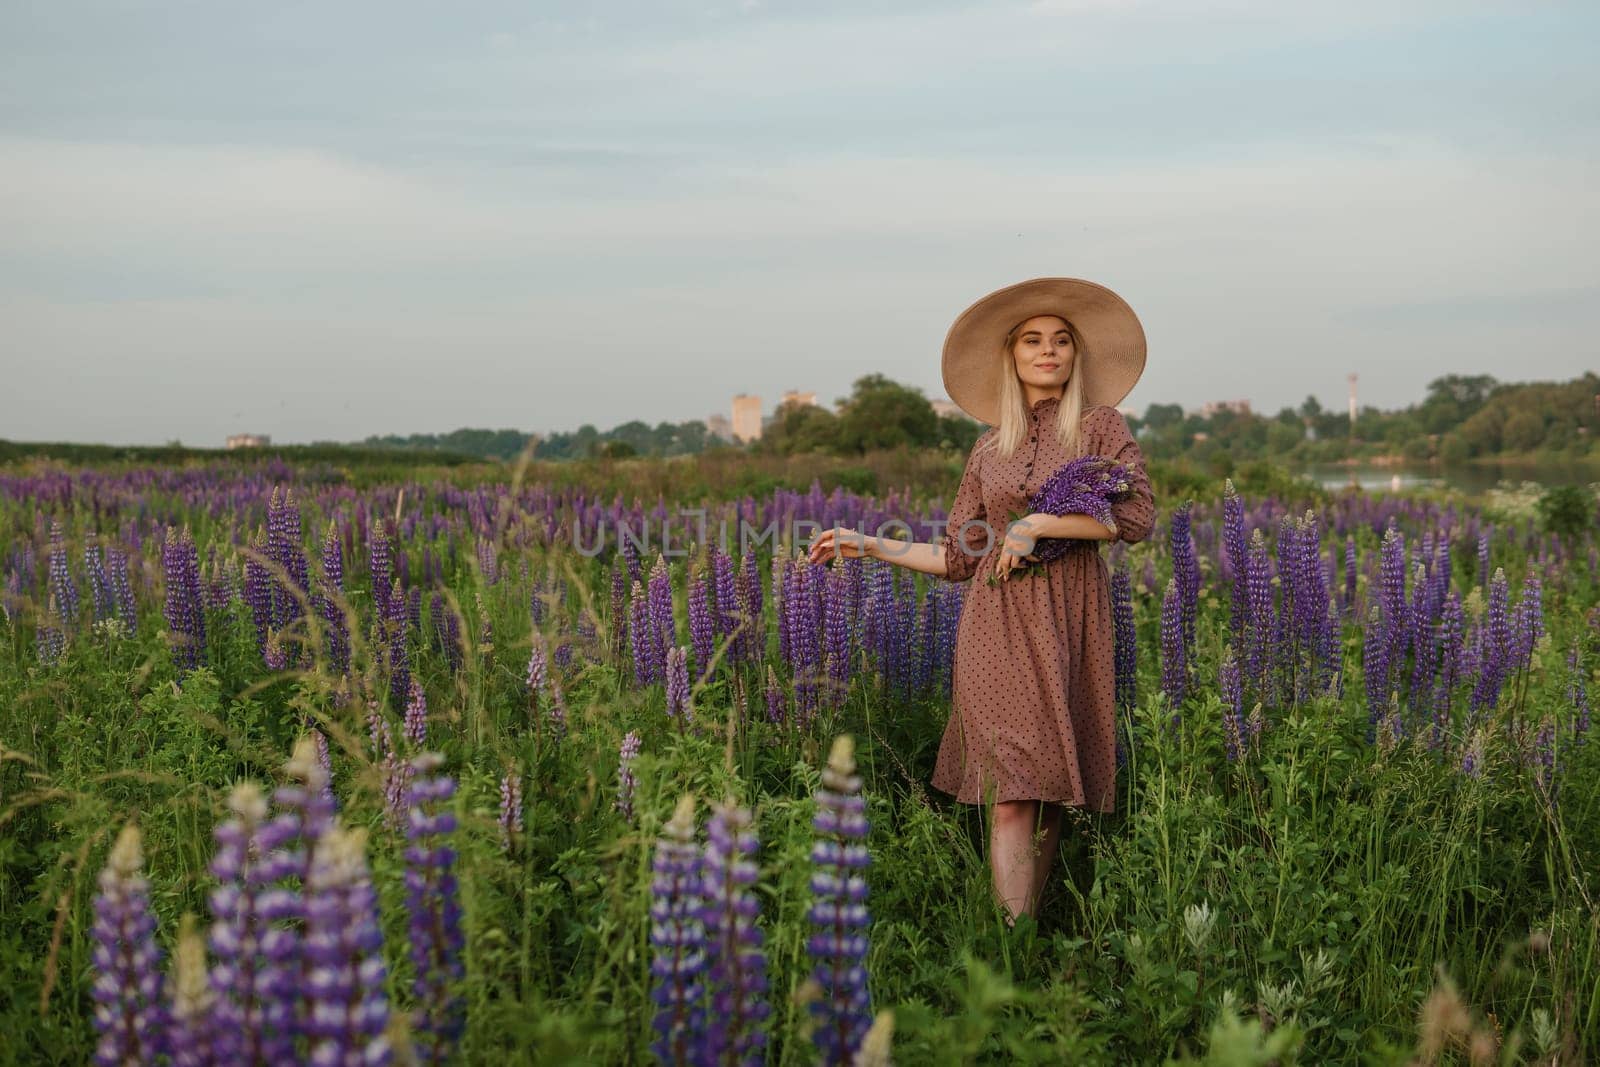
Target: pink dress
{"points": [[1034, 684]]}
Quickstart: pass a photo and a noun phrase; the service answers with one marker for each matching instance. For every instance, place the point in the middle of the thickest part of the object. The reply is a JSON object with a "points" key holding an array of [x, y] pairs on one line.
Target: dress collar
{"points": [[1043, 405]]}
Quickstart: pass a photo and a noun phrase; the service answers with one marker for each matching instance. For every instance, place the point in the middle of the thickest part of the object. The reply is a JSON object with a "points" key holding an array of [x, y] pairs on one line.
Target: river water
{"points": [[1470, 478]]}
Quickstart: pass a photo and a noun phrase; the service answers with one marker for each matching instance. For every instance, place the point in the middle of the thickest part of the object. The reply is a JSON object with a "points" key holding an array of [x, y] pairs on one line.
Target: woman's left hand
{"points": [[1017, 551]]}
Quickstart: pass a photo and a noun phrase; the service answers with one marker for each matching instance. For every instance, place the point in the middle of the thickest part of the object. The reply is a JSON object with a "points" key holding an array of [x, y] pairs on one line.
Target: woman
{"points": [[1033, 720]]}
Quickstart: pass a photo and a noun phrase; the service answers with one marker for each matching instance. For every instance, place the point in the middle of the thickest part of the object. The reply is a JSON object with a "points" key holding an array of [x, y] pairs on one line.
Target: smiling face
{"points": [[1044, 352]]}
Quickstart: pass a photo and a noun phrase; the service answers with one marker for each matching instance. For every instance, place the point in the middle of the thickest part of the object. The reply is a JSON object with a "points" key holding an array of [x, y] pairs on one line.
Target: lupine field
{"points": [[426, 771]]}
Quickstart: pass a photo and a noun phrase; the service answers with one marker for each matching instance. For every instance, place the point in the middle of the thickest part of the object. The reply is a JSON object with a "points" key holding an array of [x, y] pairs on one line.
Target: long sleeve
{"points": [[1135, 514], [961, 562]]}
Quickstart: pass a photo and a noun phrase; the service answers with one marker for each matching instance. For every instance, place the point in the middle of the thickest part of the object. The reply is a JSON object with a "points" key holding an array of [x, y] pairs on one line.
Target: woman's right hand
{"points": [[839, 541]]}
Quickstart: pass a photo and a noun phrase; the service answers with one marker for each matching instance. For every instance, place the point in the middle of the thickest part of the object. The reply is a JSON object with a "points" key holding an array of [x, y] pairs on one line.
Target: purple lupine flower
{"points": [[1087, 485], [446, 630], [414, 608], [1125, 638], [330, 600], [663, 628], [306, 802], [1448, 660], [1495, 634], [619, 602], [258, 589], [725, 599], [1423, 669], [1375, 664], [286, 843], [284, 549], [129, 1010], [1125, 660], [626, 753], [51, 636], [738, 980], [510, 808], [1529, 625], [123, 591], [1392, 594], [538, 670], [536, 603], [61, 583], [275, 655], [1483, 558], [1235, 545], [380, 564], [1174, 663], [641, 637], [838, 913], [1233, 726], [488, 561], [344, 952], [434, 911], [777, 702], [416, 718], [396, 656], [253, 1011], [630, 551], [678, 937], [1186, 572], [1260, 615], [748, 589], [99, 587], [185, 611], [702, 633], [193, 1038], [678, 685], [806, 640], [1332, 655]]}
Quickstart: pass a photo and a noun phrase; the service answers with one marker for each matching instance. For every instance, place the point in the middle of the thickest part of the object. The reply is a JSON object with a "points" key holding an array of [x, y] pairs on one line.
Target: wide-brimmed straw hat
{"points": [[1111, 358]]}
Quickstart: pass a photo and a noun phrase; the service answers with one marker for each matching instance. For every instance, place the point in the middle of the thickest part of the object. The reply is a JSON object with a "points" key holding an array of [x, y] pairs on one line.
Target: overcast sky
{"points": [[325, 220]]}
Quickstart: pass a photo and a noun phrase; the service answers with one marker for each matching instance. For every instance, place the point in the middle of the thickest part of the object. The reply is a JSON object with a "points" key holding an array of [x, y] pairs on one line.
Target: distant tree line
{"points": [[1462, 417], [633, 438]]}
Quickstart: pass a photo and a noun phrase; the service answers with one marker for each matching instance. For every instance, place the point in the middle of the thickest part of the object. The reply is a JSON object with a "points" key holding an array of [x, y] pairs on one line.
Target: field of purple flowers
{"points": [[292, 771]]}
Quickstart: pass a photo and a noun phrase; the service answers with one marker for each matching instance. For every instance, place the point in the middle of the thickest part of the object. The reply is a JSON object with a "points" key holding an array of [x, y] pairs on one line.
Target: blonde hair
{"points": [[1013, 427]]}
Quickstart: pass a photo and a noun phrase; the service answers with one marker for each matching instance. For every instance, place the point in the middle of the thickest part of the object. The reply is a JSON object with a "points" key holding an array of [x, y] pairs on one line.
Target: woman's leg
{"points": [[1011, 854], [1050, 830]]}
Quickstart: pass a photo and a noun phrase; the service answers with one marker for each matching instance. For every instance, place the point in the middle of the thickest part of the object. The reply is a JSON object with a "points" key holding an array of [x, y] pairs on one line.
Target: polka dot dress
{"points": [[1034, 683]]}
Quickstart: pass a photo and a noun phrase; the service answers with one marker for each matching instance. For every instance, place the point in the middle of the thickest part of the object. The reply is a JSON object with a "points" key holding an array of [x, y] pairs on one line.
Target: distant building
{"points": [[746, 417], [795, 396], [248, 440], [1238, 407], [943, 407], [719, 426]]}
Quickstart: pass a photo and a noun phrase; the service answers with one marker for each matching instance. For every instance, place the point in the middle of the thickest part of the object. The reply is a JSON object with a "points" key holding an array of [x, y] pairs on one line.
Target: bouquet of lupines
{"points": [[1088, 485]]}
